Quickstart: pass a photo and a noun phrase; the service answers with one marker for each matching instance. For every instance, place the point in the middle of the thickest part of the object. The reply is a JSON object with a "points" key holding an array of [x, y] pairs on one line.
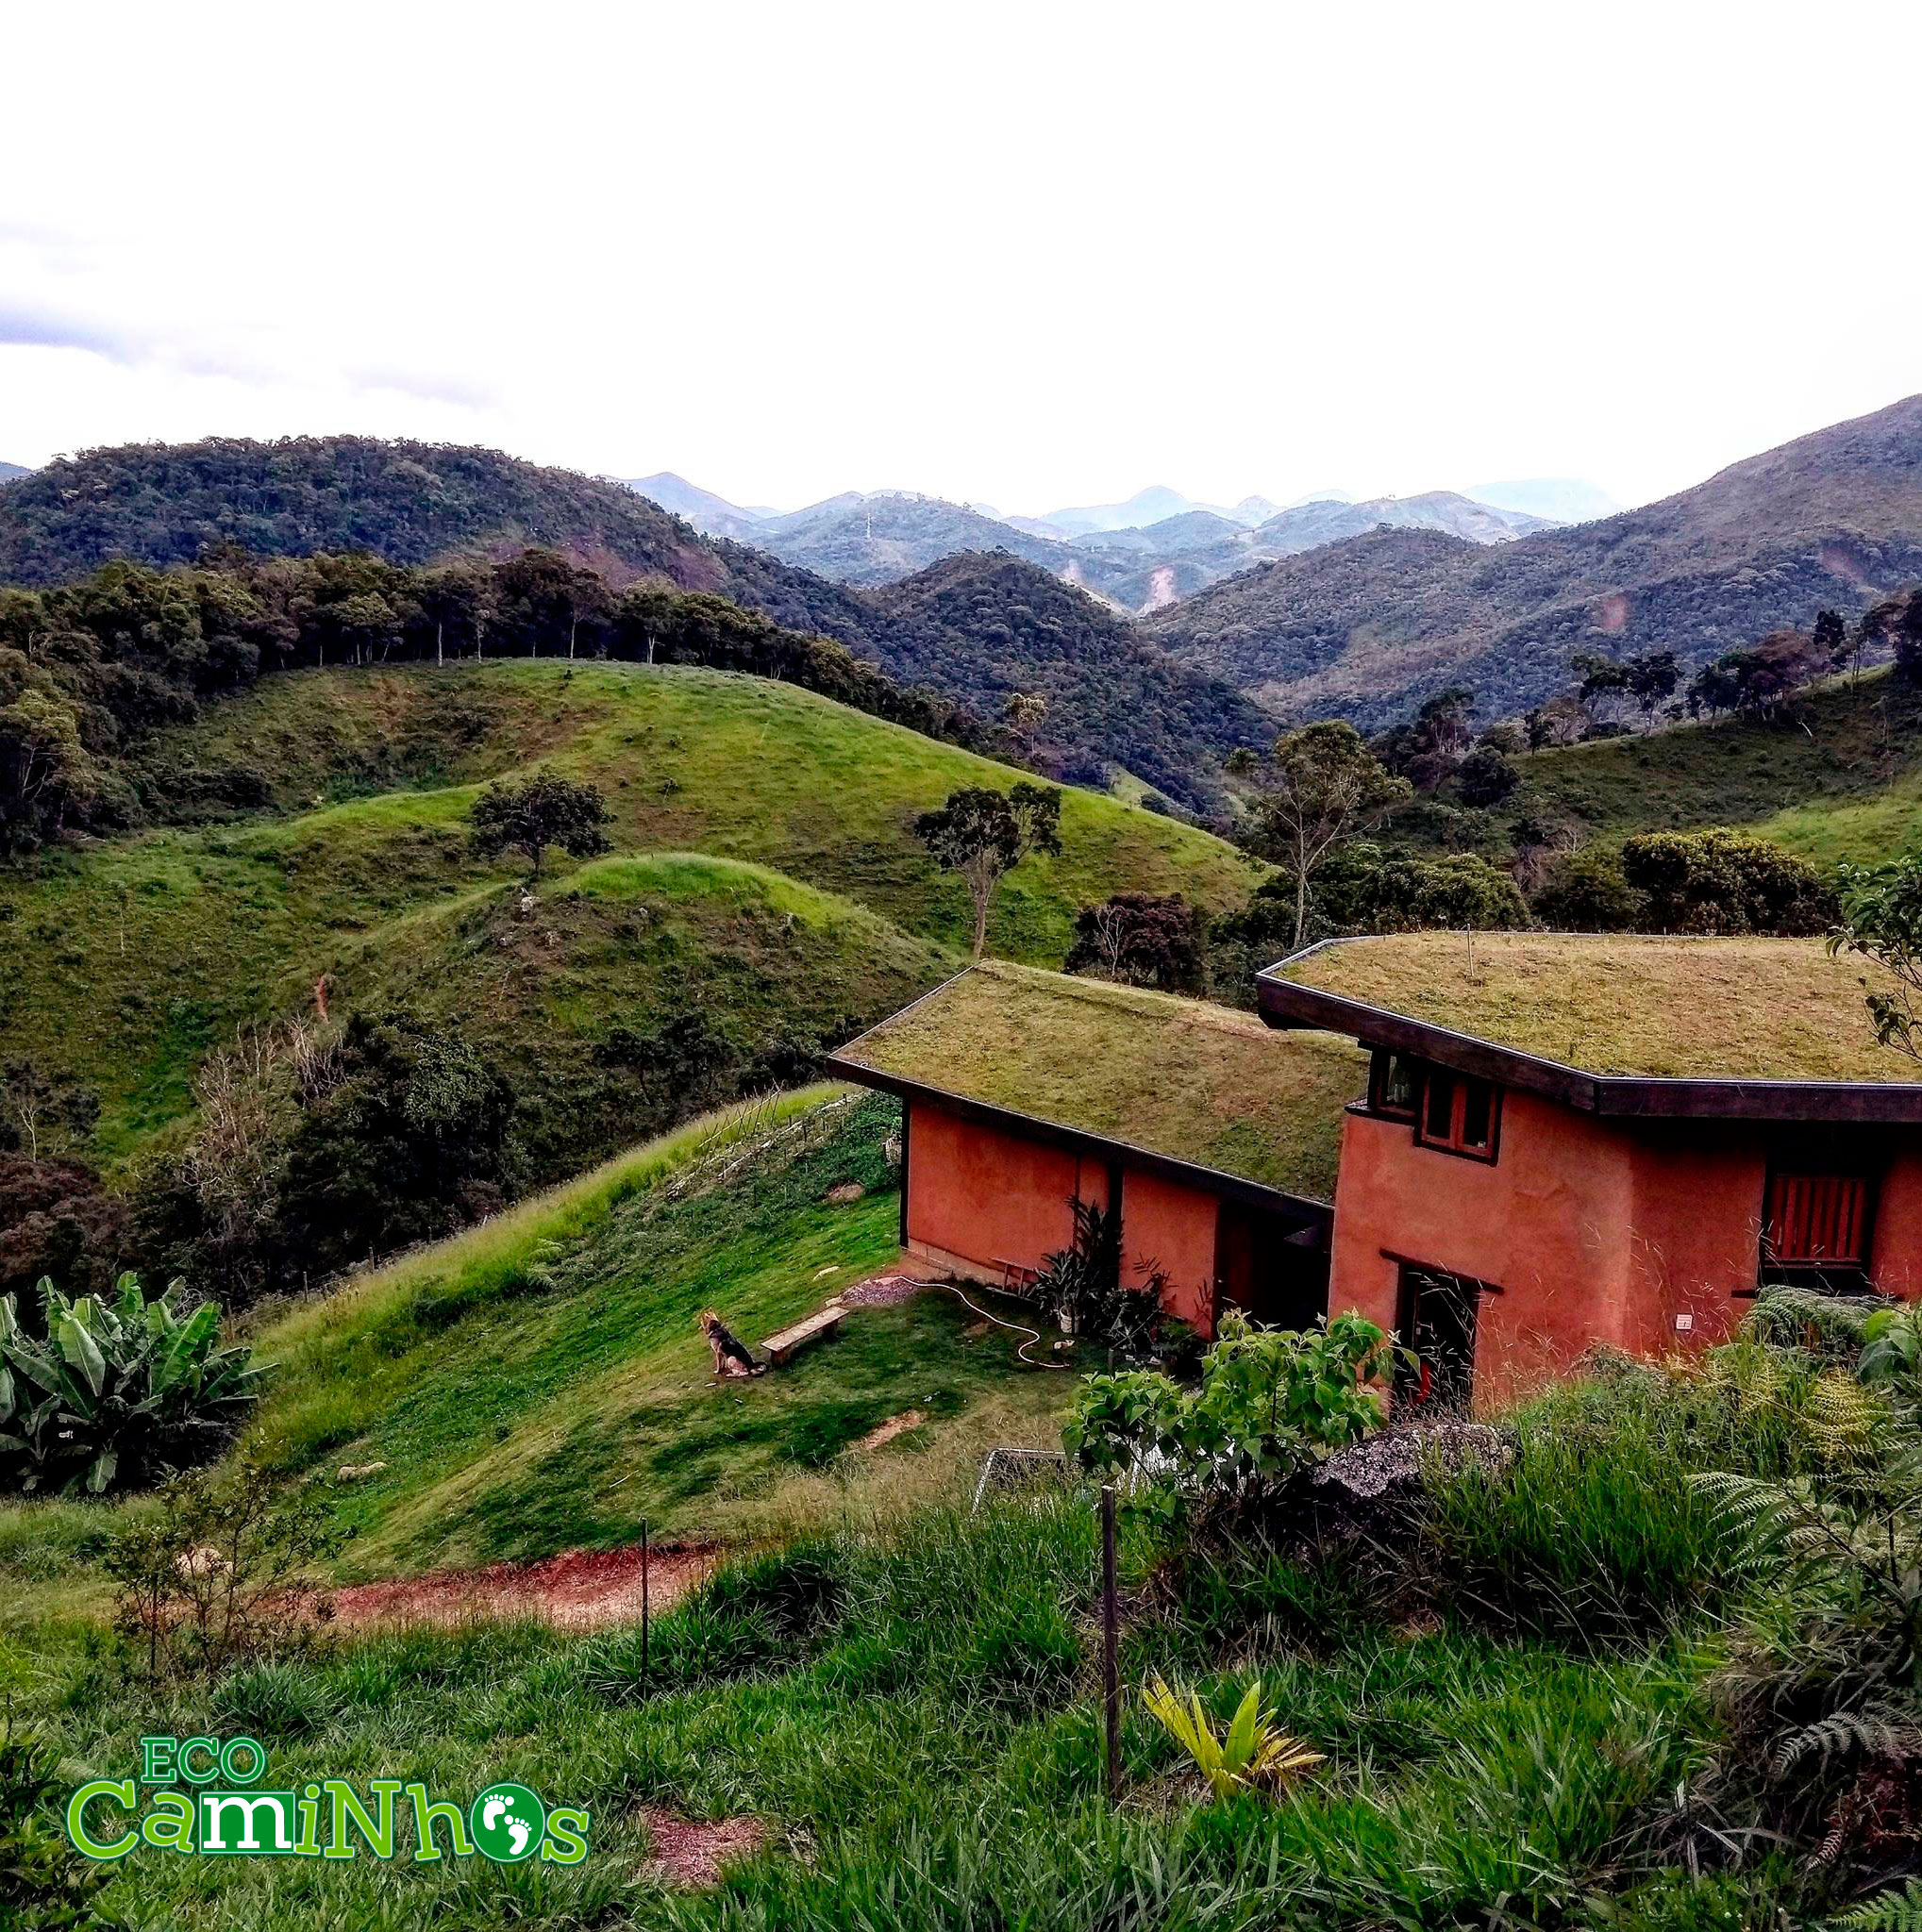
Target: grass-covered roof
{"points": [[1619, 1004], [1179, 1077]]}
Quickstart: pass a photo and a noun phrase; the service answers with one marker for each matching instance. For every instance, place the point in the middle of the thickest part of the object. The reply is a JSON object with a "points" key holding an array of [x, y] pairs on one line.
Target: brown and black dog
{"points": [[730, 1358]]}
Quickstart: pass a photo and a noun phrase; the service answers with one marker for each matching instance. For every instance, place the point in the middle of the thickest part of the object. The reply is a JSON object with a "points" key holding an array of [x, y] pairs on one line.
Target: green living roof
{"points": [[1179, 1077], [1619, 1004]]}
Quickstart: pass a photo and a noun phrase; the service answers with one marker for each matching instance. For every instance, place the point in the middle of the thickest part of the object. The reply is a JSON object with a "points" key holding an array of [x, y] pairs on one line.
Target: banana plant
{"points": [[1252, 1754], [118, 1386]]}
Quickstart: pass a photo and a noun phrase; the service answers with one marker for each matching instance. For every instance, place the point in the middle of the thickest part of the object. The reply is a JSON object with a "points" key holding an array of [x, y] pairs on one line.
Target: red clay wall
{"points": [[1897, 1236], [1542, 1222], [1594, 1232], [1172, 1228], [978, 1197]]}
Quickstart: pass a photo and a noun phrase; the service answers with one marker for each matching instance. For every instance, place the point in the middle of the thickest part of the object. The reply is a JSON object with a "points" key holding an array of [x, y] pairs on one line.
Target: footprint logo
{"points": [[508, 1823]]}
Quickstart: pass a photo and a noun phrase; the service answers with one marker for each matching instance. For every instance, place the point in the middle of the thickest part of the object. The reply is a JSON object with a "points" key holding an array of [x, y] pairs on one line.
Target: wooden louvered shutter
{"points": [[1819, 1220]]}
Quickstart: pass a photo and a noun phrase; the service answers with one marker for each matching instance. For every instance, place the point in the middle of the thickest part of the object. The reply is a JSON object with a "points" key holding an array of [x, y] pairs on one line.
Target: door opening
{"points": [[1275, 1273], [1437, 1320]]}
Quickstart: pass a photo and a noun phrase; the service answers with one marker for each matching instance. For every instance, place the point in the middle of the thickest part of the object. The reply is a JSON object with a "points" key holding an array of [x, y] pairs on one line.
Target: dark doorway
{"points": [[1275, 1272], [1437, 1321]]}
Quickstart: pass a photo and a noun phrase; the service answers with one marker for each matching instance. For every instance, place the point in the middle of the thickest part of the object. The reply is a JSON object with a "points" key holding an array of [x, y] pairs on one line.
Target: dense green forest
{"points": [[1114, 698]]}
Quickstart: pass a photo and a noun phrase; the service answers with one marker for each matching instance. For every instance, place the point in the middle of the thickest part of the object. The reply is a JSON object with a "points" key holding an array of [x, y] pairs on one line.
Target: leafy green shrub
{"points": [[44, 1883], [215, 1576], [1270, 1402], [528, 815], [116, 1391], [1586, 890], [1082, 1289], [1363, 889], [1141, 939], [1724, 882]]}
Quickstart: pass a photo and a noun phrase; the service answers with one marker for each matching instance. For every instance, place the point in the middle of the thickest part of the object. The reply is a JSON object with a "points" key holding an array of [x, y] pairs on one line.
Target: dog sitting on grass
{"points": [[730, 1358]]}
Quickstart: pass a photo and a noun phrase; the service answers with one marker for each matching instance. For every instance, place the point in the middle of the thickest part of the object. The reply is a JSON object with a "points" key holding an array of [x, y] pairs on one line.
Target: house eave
{"points": [[1304, 1210], [1285, 1003]]}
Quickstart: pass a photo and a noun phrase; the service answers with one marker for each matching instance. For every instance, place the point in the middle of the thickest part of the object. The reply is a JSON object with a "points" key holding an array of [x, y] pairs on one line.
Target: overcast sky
{"points": [[1031, 255]]}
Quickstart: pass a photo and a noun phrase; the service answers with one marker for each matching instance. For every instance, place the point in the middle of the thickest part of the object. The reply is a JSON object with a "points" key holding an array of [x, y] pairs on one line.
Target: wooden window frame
{"points": [[1378, 1086], [1457, 1108], [1779, 1170]]}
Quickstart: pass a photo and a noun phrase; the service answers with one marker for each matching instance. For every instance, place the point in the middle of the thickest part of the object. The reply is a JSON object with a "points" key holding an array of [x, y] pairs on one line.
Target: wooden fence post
{"points": [[1110, 1616]]}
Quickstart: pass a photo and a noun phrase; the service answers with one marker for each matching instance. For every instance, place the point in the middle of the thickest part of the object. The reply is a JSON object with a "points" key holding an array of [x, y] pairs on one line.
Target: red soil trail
{"points": [[580, 1589]]}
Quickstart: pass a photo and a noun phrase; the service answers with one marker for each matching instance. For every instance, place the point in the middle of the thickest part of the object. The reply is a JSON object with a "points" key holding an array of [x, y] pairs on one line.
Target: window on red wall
{"points": [[1395, 1086], [1818, 1220], [1459, 1114]]}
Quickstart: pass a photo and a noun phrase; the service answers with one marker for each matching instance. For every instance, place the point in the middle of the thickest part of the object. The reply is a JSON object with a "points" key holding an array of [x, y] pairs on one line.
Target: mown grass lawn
{"points": [[558, 1401]]}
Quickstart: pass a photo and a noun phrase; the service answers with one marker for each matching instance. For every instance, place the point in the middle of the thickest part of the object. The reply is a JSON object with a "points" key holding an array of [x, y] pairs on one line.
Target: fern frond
{"points": [[1866, 1734], [1891, 1911]]}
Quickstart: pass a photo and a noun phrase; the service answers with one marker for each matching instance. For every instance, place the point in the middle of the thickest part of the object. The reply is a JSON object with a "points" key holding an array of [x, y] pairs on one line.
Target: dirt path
{"points": [[580, 1589]]}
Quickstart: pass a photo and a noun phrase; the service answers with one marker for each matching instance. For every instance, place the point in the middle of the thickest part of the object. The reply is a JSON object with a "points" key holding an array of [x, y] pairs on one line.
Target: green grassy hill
{"points": [[809, 911], [1846, 785], [539, 1384]]}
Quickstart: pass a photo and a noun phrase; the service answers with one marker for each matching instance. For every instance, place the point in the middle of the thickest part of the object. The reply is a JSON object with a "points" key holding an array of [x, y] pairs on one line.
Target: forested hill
{"points": [[407, 502], [981, 625], [1113, 699], [1367, 628]]}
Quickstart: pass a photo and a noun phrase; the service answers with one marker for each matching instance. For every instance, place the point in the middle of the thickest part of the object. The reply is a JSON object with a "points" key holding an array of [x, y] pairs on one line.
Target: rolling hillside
{"points": [[763, 876], [512, 1425], [1847, 785], [1366, 628], [414, 502]]}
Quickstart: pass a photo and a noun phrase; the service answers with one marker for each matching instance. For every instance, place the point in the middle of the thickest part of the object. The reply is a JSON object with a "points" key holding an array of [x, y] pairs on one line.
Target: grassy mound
{"points": [[125, 962]]}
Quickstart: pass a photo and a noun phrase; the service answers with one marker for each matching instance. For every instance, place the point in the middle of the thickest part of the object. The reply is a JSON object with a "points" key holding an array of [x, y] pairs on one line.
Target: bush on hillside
{"points": [[215, 1576], [1724, 882], [117, 1390], [1270, 1403], [58, 1219], [1141, 939], [529, 814], [1586, 890], [1486, 777], [1362, 889], [317, 1145], [411, 1140]]}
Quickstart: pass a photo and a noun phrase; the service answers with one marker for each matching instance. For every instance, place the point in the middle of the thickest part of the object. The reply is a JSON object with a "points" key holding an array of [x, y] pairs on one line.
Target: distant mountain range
{"points": [[9, 471], [1141, 556], [1367, 627], [1323, 608]]}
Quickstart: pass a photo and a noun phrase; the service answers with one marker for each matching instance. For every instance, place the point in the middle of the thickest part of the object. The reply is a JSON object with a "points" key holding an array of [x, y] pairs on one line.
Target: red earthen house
{"points": [[1508, 1148], [1574, 1140], [1023, 1092]]}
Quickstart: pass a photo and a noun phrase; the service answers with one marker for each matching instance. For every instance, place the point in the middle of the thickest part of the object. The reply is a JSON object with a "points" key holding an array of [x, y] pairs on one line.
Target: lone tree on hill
{"points": [[1024, 714], [1318, 786], [536, 813], [983, 834]]}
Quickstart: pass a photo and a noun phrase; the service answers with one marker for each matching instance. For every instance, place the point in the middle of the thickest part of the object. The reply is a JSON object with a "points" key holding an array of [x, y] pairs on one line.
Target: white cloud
{"points": [[1030, 254]]}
